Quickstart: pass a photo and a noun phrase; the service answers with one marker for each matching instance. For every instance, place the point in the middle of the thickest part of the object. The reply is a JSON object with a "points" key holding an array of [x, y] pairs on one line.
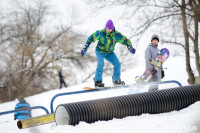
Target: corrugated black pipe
{"points": [[129, 105]]}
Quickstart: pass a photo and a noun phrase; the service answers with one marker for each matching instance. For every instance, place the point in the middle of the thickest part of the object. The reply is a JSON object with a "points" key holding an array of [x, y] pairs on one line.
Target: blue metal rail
{"points": [[170, 81], [103, 89], [24, 109], [80, 92]]}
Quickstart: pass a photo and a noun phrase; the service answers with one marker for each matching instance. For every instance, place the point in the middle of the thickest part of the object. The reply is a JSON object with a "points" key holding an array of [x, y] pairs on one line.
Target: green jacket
{"points": [[106, 42]]}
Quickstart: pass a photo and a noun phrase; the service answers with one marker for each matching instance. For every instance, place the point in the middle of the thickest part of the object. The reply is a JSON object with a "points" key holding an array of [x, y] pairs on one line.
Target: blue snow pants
{"points": [[112, 58]]}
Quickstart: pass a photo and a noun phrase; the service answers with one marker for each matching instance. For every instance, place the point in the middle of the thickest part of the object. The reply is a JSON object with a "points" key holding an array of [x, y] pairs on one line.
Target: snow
{"points": [[183, 121], [165, 123]]}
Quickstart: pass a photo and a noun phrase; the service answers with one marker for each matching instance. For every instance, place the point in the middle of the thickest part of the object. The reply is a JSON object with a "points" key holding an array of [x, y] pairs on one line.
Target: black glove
{"points": [[153, 71], [162, 74]]}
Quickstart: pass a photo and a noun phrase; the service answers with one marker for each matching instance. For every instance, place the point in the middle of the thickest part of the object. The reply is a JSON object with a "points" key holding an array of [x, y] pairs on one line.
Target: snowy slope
{"points": [[176, 122]]}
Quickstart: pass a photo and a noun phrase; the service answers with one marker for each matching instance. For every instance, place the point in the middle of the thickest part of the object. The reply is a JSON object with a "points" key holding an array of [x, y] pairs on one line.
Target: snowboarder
{"points": [[107, 39], [22, 114], [61, 77], [150, 53]]}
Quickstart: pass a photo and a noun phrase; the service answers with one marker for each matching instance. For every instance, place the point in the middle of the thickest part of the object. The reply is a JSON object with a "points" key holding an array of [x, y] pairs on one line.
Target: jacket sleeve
{"points": [[16, 113], [94, 37], [147, 58], [17, 106], [123, 40]]}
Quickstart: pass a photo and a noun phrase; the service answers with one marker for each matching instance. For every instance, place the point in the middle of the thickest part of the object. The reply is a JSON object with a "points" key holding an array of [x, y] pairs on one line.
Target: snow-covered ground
{"points": [[183, 121]]}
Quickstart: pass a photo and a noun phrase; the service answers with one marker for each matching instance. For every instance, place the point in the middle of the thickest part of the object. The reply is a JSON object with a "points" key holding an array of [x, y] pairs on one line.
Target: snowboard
{"points": [[133, 88], [108, 87], [114, 87], [161, 57]]}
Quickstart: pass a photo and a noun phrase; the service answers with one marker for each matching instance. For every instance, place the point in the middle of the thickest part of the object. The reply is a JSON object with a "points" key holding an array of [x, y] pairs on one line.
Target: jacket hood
{"points": [[22, 101], [153, 45]]}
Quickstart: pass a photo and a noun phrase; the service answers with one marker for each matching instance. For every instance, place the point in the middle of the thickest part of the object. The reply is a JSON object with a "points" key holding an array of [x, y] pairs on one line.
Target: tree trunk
{"points": [[190, 73], [196, 47], [195, 6]]}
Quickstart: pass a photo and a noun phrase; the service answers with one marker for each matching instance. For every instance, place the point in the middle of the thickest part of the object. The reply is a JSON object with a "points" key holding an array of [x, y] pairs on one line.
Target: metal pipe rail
{"points": [[106, 88], [36, 121], [24, 109]]}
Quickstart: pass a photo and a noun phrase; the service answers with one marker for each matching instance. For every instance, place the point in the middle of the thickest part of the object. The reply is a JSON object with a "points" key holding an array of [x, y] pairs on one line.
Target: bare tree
{"points": [[32, 55], [177, 21], [187, 51], [194, 8]]}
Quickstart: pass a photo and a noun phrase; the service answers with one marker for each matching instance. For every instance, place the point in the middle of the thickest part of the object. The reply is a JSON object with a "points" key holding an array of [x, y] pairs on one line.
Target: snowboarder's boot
{"points": [[98, 84], [118, 82]]}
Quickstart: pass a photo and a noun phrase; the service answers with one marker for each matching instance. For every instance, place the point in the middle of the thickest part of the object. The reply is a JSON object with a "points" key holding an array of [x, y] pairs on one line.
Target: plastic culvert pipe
{"points": [[129, 105]]}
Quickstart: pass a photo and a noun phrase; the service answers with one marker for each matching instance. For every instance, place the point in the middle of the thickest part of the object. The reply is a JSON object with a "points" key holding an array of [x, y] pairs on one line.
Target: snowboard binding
{"points": [[156, 63]]}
